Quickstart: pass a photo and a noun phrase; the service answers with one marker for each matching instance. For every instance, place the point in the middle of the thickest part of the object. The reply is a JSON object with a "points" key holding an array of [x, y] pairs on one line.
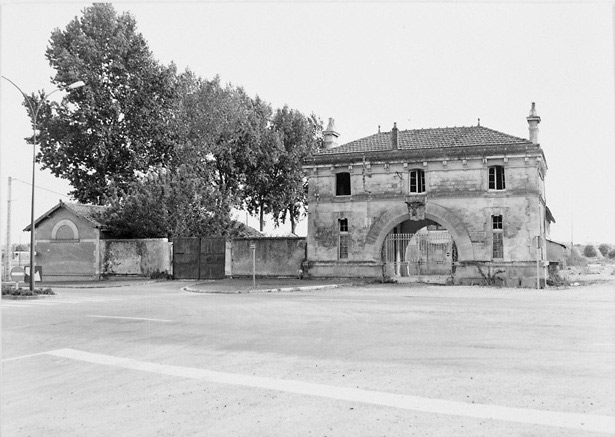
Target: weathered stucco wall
{"points": [[67, 247], [67, 260], [135, 257], [457, 196], [276, 256]]}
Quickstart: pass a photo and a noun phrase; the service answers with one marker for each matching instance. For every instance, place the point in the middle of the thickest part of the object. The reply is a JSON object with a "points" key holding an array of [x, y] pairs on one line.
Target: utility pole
{"points": [[571, 238], [7, 250]]}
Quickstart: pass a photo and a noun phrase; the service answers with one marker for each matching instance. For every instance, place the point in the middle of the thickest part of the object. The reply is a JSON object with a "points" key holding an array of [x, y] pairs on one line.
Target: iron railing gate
{"points": [[429, 253]]}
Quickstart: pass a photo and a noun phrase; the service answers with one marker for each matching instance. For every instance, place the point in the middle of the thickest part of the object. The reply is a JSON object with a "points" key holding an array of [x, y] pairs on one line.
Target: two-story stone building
{"points": [[464, 203]]}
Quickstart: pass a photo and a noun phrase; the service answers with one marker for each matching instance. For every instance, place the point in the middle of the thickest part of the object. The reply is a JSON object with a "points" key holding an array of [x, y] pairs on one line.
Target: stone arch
{"points": [[399, 213], [69, 224]]}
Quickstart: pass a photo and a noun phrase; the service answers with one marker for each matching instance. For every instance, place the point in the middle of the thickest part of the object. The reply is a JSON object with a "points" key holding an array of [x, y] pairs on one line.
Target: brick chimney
{"points": [[533, 121], [330, 135], [394, 143]]}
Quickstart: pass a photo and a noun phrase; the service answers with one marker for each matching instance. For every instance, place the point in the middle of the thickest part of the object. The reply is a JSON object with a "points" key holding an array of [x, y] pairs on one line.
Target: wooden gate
{"points": [[199, 258]]}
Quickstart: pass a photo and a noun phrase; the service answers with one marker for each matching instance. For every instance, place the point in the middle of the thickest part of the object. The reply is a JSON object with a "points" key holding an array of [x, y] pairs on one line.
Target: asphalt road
{"points": [[152, 360]]}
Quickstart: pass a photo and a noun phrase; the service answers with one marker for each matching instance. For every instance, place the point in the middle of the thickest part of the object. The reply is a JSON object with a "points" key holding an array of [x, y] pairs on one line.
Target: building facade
{"points": [[464, 203], [68, 242]]}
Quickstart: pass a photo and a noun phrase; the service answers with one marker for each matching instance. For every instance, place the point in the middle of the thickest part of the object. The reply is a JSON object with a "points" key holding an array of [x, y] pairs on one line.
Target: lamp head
{"points": [[75, 85]]}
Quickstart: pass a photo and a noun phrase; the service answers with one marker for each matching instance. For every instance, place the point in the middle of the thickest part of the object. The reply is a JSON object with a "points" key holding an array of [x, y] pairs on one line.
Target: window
{"points": [[417, 181], [496, 178], [344, 239], [65, 231], [498, 236], [342, 184]]}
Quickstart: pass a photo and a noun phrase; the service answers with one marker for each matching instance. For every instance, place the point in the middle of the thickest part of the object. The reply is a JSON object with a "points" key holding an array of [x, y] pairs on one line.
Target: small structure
{"points": [[73, 244], [457, 204]]}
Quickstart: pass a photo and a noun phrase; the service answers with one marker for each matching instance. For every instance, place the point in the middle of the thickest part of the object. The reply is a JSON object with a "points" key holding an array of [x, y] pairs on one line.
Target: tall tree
{"points": [[301, 136], [169, 203], [120, 124], [260, 188], [228, 130]]}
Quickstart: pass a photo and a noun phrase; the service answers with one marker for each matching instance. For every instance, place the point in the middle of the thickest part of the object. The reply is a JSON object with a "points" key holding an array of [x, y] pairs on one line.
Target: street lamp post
{"points": [[34, 115]]}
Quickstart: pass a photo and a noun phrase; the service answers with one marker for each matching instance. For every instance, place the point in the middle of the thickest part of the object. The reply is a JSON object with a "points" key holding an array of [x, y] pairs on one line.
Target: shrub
{"points": [[590, 251], [612, 254], [161, 275], [8, 289], [604, 249], [574, 258]]}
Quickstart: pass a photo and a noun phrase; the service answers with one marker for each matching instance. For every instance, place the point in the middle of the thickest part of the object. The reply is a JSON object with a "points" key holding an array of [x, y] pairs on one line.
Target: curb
{"points": [[52, 286], [269, 290], [38, 296]]}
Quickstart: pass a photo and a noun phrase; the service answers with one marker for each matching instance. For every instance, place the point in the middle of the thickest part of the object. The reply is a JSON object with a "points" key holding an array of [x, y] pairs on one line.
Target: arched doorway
{"points": [[433, 214], [418, 248]]}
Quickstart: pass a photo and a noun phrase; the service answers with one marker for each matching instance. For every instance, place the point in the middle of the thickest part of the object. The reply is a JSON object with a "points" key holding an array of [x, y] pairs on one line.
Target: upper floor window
{"points": [[498, 237], [342, 184], [496, 178], [417, 181]]}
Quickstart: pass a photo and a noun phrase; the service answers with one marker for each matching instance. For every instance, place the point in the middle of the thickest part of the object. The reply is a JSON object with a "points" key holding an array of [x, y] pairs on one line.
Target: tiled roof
{"points": [[88, 212], [436, 138]]}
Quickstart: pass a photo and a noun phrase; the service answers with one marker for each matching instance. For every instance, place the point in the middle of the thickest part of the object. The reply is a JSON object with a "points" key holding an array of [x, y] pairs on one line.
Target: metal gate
{"points": [[199, 258], [429, 253]]}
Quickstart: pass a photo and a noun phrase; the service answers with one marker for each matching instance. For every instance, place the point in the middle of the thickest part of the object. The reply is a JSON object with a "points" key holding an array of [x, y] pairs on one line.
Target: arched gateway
{"points": [[432, 212], [410, 249], [482, 187]]}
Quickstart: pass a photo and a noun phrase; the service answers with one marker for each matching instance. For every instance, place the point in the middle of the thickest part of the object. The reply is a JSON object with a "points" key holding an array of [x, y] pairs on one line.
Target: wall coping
{"points": [[267, 238], [135, 239]]}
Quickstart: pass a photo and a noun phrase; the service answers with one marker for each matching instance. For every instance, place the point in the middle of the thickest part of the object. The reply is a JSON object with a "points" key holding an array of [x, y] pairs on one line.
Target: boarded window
{"points": [[342, 184], [65, 232], [417, 181], [498, 237], [496, 178], [344, 239]]}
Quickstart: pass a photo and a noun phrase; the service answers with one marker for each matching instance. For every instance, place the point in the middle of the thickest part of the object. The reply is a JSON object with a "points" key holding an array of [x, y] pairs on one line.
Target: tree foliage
{"points": [[589, 251], [301, 136], [117, 126], [604, 249], [169, 204], [170, 154]]}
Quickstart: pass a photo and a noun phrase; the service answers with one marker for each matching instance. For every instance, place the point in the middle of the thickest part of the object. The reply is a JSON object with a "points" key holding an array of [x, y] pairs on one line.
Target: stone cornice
{"points": [[405, 155]]}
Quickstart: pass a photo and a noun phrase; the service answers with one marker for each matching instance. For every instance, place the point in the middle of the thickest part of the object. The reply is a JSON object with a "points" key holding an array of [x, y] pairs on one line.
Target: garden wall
{"points": [[275, 256], [135, 257]]}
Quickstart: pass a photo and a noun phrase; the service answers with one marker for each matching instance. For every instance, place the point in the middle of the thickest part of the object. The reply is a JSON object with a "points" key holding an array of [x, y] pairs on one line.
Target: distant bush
{"points": [[590, 251], [574, 258], [604, 249], [612, 254]]}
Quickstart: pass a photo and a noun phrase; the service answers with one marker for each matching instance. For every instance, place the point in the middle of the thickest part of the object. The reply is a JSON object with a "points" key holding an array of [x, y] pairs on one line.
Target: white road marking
{"points": [[130, 318], [24, 356], [341, 299], [67, 301], [586, 422]]}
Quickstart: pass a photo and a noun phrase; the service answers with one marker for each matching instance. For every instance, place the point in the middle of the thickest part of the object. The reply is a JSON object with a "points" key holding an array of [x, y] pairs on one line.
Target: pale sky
{"points": [[422, 65]]}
